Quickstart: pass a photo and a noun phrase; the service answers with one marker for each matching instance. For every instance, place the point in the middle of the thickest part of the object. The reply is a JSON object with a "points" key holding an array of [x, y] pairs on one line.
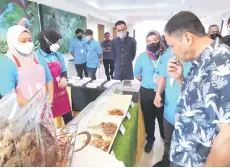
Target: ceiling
{"points": [[136, 10]]}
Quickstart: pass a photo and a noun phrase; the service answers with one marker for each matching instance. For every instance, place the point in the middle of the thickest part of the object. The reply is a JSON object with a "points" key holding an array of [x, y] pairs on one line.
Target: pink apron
{"points": [[61, 104], [30, 79]]}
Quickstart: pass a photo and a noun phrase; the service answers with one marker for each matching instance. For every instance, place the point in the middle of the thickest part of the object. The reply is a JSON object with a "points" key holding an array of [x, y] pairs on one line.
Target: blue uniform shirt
{"points": [[93, 51], [9, 79], [148, 70], [172, 89], [52, 57], [78, 47]]}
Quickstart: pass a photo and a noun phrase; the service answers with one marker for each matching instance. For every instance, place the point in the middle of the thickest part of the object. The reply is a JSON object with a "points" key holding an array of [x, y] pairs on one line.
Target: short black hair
{"points": [[107, 33], [89, 32], [120, 22], [214, 25], [185, 21], [228, 20], [79, 31]]}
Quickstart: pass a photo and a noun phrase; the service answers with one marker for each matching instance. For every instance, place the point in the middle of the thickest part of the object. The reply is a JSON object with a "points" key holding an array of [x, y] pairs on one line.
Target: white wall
{"points": [[142, 29], [92, 23]]}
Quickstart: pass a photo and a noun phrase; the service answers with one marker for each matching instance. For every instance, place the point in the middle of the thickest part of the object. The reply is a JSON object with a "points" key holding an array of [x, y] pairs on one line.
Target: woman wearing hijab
{"points": [[49, 45], [146, 71], [21, 69]]}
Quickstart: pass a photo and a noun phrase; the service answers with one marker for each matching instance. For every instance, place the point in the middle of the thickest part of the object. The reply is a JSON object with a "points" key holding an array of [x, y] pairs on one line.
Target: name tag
{"points": [[171, 82], [82, 51]]}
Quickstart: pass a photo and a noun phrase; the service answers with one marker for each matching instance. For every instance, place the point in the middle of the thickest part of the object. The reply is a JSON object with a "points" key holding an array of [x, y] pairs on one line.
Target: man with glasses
{"points": [[226, 39]]}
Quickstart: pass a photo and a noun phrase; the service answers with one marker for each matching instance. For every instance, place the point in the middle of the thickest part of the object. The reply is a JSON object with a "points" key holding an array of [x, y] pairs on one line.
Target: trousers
{"points": [[150, 113]]}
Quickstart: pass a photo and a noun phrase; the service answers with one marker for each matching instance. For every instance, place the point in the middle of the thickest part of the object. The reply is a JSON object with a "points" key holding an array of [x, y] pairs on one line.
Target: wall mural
{"points": [[63, 22], [11, 11]]}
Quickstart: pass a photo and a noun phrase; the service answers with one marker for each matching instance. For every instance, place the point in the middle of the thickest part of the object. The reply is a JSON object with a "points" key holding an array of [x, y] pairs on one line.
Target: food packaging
{"points": [[34, 133], [8, 153], [27, 136], [45, 126]]}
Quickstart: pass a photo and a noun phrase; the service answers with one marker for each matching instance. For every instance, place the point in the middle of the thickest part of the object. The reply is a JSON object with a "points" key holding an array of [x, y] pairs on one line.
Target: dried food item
{"points": [[29, 151], [64, 145], [101, 143], [109, 129], [8, 155], [116, 112]]}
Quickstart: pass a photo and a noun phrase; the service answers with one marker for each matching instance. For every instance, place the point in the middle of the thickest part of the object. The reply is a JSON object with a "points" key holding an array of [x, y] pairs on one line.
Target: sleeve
{"points": [[43, 62], [99, 49], [217, 98], [102, 44], [61, 58], [71, 48], [9, 78], [113, 50], [138, 68], [134, 49], [163, 66]]}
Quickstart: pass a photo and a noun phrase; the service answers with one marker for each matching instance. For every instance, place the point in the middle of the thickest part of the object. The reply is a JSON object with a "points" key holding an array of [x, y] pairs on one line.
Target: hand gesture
{"points": [[175, 68]]}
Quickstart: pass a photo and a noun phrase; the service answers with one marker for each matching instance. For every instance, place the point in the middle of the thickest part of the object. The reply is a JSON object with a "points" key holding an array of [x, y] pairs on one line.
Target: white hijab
{"points": [[12, 40]]}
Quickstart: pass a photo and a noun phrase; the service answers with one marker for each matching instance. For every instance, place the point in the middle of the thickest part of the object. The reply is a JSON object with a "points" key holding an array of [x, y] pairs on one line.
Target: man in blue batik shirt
{"points": [[201, 136]]}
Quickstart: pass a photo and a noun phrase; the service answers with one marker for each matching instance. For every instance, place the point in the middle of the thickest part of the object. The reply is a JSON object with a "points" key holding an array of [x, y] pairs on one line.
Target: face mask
{"points": [[214, 36], [54, 47], [79, 37], [25, 48], [88, 38], [153, 47], [122, 34]]}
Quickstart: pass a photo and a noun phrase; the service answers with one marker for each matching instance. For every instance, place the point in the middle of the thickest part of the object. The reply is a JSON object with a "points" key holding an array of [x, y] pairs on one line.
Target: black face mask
{"points": [[214, 36], [79, 37], [154, 47]]}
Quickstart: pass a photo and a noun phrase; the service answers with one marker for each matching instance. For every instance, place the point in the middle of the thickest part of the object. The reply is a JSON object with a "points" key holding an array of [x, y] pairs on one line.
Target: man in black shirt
{"points": [[108, 56], [124, 52], [226, 39]]}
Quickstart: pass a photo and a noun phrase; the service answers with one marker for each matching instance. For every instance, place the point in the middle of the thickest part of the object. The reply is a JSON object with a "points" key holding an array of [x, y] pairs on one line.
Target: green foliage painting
{"points": [[11, 11], [63, 22]]}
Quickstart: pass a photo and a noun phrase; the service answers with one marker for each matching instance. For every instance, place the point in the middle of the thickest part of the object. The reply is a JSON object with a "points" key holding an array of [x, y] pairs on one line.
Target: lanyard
{"points": [[156, 64], [80, 43]]}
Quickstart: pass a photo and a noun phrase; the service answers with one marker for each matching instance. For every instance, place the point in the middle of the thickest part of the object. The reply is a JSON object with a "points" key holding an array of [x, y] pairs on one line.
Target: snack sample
{"points": [[116, 112], [101, 143], [109, 129]]}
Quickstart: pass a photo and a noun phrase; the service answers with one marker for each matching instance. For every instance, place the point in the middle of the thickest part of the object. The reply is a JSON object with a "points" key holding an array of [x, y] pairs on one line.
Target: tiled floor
{"points": [[148, 160]]}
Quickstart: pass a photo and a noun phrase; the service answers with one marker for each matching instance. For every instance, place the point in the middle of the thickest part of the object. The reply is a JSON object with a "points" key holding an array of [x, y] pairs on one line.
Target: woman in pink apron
{"points": [[28, 74], [49, 45]]}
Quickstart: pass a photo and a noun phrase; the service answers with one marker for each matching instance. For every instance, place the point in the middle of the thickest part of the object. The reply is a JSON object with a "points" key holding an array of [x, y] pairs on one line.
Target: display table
{"points": [[82, 96], [127, 148]]}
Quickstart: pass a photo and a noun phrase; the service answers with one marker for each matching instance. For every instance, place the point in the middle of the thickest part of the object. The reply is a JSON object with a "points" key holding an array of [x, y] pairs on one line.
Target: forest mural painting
{"points": [[11, 11], [63, 22]]}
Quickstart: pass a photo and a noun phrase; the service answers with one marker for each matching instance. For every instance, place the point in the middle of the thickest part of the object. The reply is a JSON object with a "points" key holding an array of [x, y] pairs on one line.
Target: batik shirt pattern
{"points": [[204, 103]]}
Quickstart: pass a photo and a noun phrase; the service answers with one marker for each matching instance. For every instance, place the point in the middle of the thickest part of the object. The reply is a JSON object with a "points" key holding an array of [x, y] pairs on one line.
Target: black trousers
{"points": [[80, 68], [109, 67], [67, 117], [150, 113], [168, 131]]}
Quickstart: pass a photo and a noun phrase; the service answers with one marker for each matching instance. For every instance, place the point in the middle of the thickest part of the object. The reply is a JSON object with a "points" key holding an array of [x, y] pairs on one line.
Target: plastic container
{"points": [[27, 135], [8, 109]]}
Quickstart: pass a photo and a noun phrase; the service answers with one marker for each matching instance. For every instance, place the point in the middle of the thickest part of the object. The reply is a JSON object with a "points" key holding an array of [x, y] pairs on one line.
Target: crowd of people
{"points": [[184, 77]]}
